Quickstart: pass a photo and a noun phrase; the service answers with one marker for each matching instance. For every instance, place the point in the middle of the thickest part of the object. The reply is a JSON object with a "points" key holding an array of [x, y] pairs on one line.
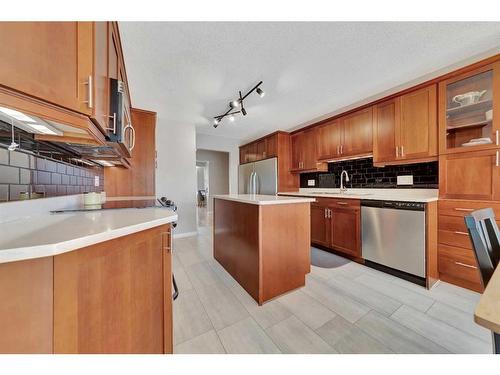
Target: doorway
{"points": [[212, 171]]}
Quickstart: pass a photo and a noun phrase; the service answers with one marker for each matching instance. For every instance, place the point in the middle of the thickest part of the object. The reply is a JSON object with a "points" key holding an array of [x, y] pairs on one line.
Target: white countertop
{"points": [[405, 195], [263, 199], [49, 234]]}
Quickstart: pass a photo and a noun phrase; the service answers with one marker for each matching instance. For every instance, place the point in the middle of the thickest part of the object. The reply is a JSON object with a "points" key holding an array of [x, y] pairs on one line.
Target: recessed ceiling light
{"points": [[16, 114]]}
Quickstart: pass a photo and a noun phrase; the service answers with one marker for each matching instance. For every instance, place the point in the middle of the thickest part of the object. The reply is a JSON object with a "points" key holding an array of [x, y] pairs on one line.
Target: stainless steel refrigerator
{"points": [[260, 177]]}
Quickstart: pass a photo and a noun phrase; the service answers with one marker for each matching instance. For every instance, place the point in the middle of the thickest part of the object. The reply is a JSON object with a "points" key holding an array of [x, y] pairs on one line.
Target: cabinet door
{"points": [[345, 228], [272, 146], [48, 60], [100, 111], [252, 152], [110, 297], [320, 225], [470, 175], [261, 149], [297, 151], [329, 139], [243, 154], [468, 109], [358, 130], [386, 121], [309, 149], [418, 127]]}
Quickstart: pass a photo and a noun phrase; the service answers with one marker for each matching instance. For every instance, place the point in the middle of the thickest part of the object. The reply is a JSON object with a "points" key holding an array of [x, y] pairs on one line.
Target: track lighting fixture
{"points": [[238, 103]]}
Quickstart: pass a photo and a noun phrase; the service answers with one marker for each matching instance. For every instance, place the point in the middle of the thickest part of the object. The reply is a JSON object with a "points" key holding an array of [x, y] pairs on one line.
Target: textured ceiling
{"points": [[188, 71]]}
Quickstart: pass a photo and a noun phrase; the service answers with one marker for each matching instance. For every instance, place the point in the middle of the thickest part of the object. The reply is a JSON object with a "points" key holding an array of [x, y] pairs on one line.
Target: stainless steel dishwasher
{"points": [[393, 238]]}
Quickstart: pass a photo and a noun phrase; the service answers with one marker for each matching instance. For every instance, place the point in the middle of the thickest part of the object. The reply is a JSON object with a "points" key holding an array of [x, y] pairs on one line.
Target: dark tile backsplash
{"points": [[363, 174], [25, 173]]}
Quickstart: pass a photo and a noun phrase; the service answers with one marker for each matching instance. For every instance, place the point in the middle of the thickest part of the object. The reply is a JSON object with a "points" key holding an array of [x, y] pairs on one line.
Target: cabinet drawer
{"points": [[462, 208], [458, 263], [455, 238], [344, 203]]}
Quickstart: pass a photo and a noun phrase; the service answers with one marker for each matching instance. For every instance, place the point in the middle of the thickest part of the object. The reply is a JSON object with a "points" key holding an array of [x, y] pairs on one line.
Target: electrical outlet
{"points": [[96, 181], [311, 182], [405, 180]]}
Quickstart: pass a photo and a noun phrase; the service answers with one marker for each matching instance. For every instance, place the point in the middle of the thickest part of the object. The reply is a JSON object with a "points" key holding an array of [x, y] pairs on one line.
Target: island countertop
{"points": [[264, 199], [49, 234]]}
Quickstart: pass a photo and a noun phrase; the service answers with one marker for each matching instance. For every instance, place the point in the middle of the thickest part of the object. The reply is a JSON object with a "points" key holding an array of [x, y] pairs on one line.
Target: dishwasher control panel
{"points": [[398, 205]]}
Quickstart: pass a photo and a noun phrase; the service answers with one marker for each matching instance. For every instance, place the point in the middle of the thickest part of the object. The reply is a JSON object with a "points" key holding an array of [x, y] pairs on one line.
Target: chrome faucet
{"points": [[342, 188]]}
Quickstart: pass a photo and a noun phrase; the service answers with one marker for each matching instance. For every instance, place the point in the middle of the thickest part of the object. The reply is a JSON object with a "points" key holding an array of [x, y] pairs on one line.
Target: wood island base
{"points": [[266, 248]]}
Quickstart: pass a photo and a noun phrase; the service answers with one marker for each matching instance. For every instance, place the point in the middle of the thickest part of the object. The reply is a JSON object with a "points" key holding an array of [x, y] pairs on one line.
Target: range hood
{"points": [[50, 138]]}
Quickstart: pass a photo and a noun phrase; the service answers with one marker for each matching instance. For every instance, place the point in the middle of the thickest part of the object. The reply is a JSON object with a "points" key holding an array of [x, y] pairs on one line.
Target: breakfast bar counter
{"points": [[263, 241]]}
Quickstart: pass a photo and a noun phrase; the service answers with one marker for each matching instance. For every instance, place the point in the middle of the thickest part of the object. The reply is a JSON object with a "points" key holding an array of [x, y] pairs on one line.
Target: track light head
{"points": [[243, 111], [260, 92], [234, 104]]}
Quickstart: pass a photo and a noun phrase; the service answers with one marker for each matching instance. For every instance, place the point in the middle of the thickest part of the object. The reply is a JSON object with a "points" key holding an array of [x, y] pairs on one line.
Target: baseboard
{"points": [[187, 234]]}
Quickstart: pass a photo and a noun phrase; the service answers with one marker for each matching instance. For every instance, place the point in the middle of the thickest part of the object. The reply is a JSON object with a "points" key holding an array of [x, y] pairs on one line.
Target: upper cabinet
{"points": [[467, 106], [330, 137], [405, 128], [305, 152], [357, 133], [64, 63], [263, 148]]}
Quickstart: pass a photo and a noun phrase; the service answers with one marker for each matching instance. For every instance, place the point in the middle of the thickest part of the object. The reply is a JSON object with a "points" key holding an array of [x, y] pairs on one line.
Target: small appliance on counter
{"points": [[94, 201]]}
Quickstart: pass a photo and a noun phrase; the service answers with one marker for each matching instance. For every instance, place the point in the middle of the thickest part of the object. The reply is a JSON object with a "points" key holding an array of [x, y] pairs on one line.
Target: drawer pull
{"points": [[465, 265], [342, 203], [462, 233], [463, 209]]}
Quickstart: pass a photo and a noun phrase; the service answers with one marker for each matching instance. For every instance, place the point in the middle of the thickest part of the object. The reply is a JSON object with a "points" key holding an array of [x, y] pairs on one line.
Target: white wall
{"points": [[210, 142], [176, 171]]}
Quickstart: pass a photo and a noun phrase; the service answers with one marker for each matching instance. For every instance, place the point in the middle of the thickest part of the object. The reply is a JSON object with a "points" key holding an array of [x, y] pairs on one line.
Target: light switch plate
{"points": [[96, 181], [405, 180], [311, 182]]}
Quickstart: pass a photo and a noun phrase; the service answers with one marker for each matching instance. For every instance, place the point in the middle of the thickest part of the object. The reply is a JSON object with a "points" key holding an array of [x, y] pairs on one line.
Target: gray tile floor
{"points": [[349, 309]]}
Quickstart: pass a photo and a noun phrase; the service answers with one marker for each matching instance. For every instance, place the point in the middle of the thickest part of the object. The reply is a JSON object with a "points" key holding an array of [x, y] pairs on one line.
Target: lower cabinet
{"points": [[335, 224], [456, 260], [111, 297]]}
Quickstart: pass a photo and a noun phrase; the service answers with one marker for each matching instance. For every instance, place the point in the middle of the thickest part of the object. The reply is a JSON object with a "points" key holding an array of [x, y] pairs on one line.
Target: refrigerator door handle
{"points": [[256, 189]]}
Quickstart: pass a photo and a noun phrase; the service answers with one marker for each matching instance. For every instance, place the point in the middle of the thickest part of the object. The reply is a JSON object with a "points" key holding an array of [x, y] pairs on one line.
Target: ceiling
{"points": [[188, 71]]}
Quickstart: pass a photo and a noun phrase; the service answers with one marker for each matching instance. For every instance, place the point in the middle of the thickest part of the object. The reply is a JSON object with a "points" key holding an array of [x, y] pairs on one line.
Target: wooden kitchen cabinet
{"points": [[116, 296], [357, 133], [336, 223], [456, 260], [64, 63], [418, 124], [468, 103], [304, 152], [320, 224], [405, 128], [470, 175], [260, 147], [329, 139], [271, 146]]}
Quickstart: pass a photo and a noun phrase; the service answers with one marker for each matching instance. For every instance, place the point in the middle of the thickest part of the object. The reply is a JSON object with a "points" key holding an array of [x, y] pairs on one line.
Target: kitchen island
{"points": [[263, 241], [87, 282]]}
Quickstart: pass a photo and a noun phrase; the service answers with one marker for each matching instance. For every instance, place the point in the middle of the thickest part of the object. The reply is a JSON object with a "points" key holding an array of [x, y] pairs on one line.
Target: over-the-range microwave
{"points": [[120, 131]]}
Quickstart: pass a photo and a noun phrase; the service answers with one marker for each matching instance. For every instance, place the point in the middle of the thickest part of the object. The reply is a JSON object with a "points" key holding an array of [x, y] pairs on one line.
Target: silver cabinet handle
{"points": [[497, 161], [326, 213], [329, 213], [496, 133], [113, 129], [338, 147], [463, 209], [133, 137], [462, 233], [341, 149], [465, 265], [402, 152], [89, 101], [397, 151], [342, 203]]}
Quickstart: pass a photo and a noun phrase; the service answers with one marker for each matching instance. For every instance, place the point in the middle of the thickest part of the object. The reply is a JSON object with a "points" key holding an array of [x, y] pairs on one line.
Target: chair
{"points": [[485, 238]]}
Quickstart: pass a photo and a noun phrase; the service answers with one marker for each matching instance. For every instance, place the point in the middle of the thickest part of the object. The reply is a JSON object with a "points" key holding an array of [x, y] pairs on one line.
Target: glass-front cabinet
{"points": [[467, 118]]}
